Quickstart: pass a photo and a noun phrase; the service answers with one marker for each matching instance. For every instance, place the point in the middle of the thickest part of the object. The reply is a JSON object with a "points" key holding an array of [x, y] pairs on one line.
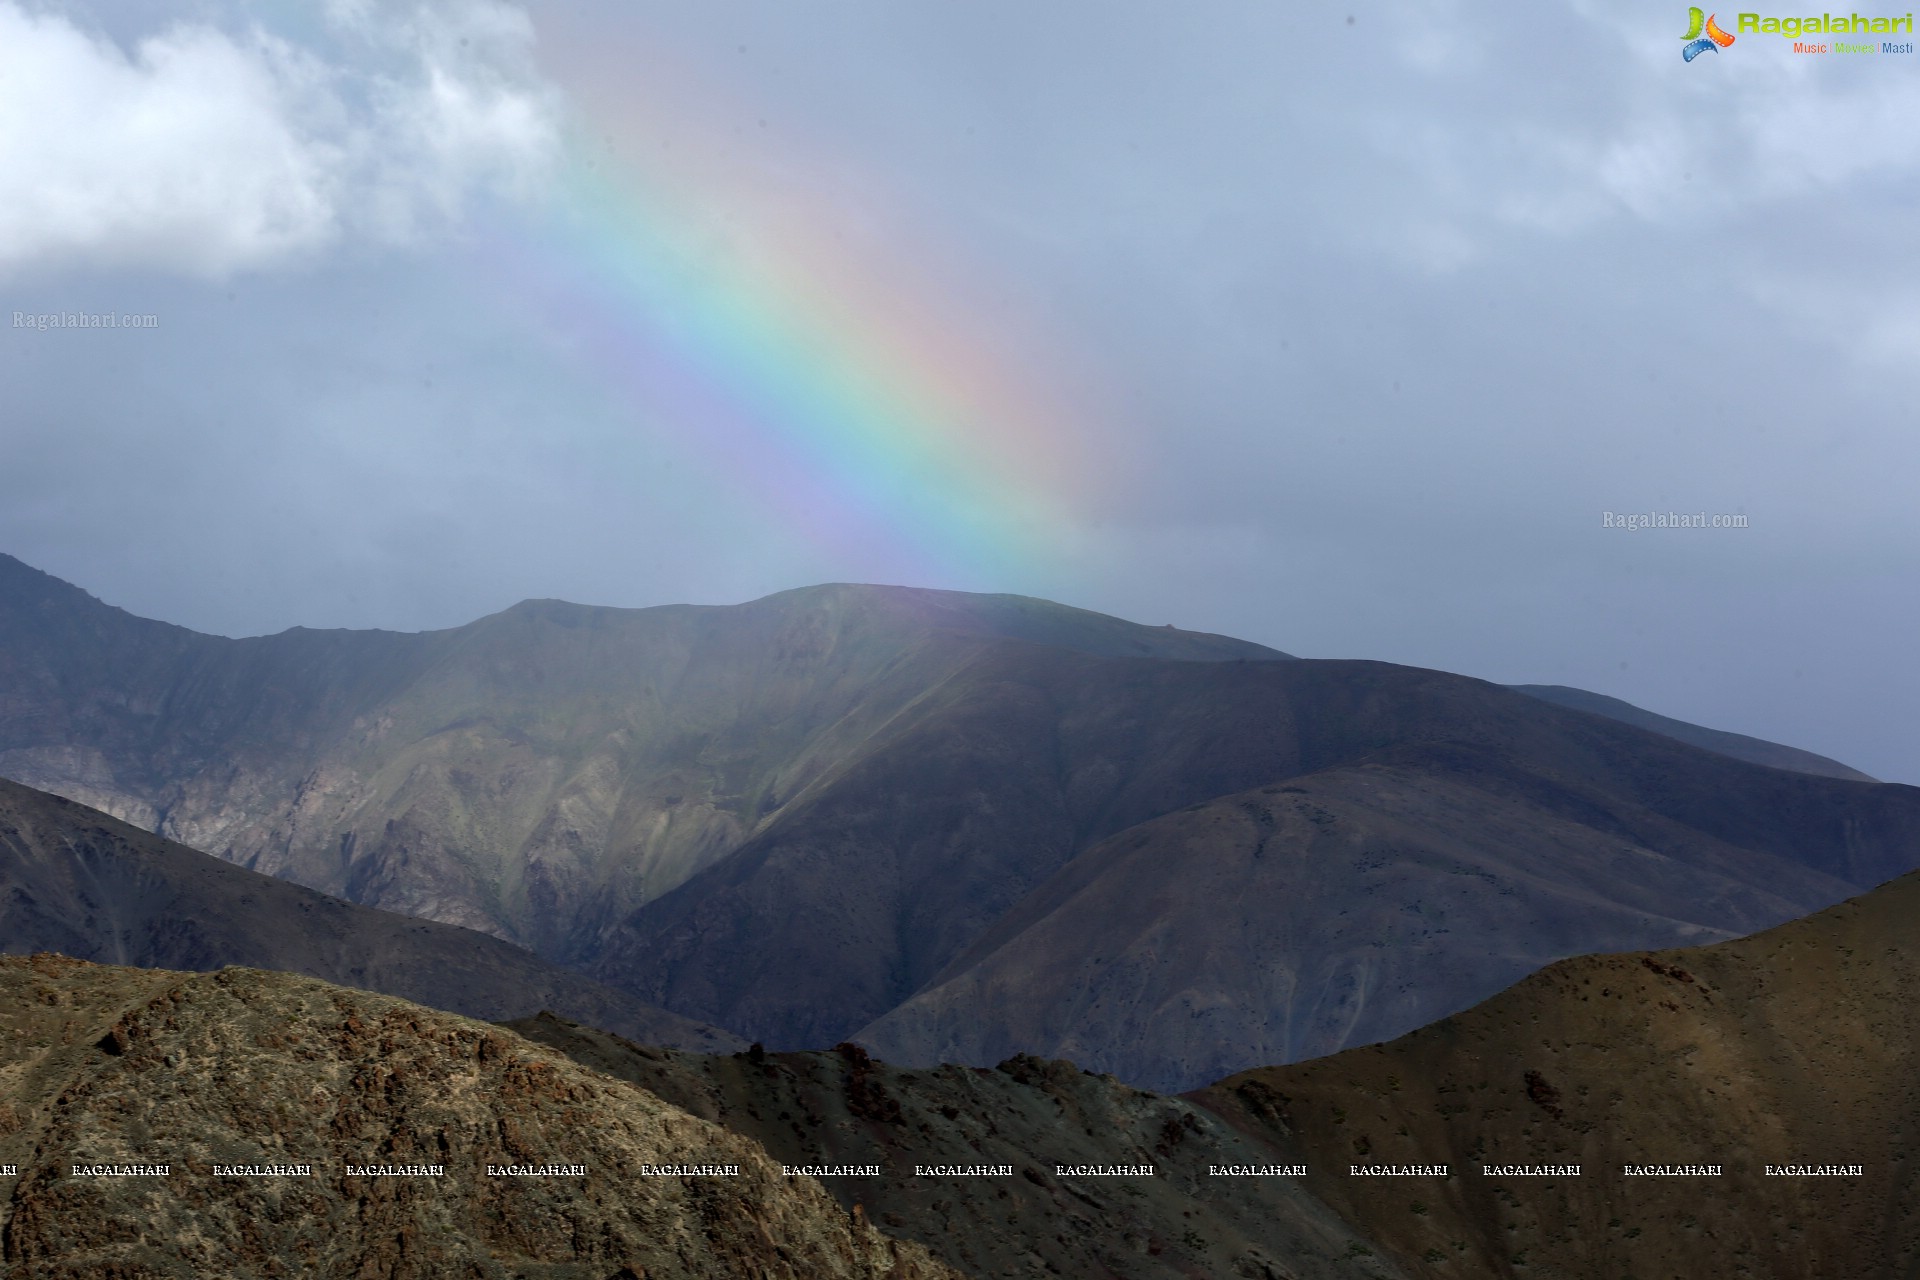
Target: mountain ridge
{"points": [[1738, 745]]}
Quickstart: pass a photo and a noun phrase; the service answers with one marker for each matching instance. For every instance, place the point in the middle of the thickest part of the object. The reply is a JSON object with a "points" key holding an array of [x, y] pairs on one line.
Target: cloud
{"points": [[205, 151]]}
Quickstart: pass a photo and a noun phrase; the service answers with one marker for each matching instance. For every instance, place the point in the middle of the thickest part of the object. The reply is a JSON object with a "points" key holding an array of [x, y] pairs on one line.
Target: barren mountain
{"points": [[536, 774], [1170, 871], [1793, 1049], [78, 882], [248, 1124], [949, 826], [1355, 903]]}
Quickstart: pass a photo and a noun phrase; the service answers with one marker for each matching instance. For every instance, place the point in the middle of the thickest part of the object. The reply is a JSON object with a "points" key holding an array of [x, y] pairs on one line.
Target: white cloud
{"points": [[206, 151], [1488, 135]]}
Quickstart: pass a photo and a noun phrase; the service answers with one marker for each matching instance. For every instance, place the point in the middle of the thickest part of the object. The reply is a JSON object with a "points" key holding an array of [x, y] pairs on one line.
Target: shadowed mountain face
{"points": [[1171, 870], [139, 1069], [1737, 745], [78, 882], [948, 826], [1344, 907], [1792, 1048]]}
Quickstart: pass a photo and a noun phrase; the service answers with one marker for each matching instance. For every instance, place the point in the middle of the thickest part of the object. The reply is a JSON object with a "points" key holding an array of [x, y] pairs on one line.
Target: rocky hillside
{"points": [[1171, 871], [1008, 1171], [1742, 1109], [1793, 1049], [179, 1125]]}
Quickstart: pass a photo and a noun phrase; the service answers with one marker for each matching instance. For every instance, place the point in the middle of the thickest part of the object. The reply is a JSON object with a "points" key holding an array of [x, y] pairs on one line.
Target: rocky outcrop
{"points": [[112, 1074]]}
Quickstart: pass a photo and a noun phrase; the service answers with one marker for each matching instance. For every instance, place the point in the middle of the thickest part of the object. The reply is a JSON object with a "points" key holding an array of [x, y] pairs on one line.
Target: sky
{"points": [[1356, 332]]}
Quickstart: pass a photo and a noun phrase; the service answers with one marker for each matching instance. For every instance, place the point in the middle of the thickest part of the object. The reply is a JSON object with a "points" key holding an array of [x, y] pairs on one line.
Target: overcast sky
{"points": [[1336, 329]]}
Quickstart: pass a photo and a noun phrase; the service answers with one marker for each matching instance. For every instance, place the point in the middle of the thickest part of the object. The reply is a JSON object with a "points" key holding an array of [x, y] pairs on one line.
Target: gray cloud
{"points": [[1377, 319]]}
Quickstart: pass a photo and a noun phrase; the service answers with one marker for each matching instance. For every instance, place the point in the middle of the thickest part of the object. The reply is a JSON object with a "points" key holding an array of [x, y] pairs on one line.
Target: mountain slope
{"points": [[1737, 745], [1014, 872], [1340, 908], [128, 1068], [1794, 1047], [78, 882]]}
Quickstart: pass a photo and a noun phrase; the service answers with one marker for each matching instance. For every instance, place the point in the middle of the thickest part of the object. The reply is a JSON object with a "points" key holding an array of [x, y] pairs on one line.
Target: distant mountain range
{"points": [[947, 826]]}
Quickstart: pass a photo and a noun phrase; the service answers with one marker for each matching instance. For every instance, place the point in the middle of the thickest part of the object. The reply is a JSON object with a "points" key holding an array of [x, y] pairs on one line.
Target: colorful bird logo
{"points": [[1713, 41]]}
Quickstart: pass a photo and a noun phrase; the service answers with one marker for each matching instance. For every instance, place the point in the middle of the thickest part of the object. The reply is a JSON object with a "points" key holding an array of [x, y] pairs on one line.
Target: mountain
{"points": [[1737, 745], [536, 774], [1792, 1049], [137, 1071], [78, 882], [946, 826], [1170, 871]]}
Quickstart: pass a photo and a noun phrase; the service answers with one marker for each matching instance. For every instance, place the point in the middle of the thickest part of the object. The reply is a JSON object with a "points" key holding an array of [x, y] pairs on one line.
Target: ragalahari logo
{"points": [[1713, 41]]}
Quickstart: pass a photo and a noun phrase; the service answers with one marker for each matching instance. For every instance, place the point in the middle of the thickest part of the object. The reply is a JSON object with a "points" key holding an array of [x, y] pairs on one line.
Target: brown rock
{"points": [[247, 1067]]}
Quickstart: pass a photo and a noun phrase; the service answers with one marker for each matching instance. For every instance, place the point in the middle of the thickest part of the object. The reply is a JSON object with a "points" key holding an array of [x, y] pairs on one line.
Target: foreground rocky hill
{"points": [[1793, 1050], [80, 883], [1034, 1168], [251, 1124]]}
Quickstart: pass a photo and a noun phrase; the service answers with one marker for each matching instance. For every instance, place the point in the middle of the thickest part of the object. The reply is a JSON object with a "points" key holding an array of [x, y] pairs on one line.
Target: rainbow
{"points": [[841, 387]]}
